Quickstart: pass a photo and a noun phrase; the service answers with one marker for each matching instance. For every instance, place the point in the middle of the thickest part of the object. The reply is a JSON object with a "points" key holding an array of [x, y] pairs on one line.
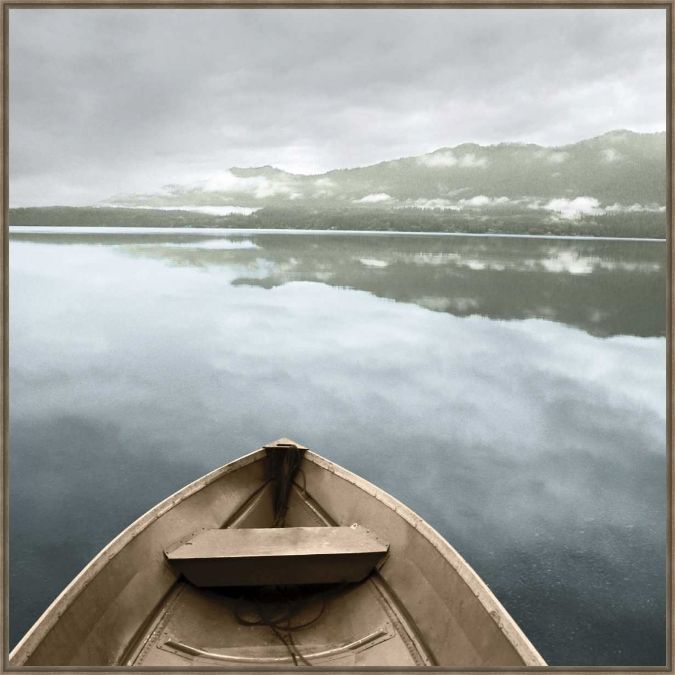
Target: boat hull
{"points": [[423, 606]]}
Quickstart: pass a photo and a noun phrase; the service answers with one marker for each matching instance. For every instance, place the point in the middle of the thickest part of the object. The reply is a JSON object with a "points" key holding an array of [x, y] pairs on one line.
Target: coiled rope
{"points": [[276, 606]]}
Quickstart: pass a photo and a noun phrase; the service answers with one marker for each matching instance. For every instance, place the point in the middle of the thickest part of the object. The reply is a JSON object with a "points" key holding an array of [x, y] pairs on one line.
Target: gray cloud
{"points": [[110, 100]]}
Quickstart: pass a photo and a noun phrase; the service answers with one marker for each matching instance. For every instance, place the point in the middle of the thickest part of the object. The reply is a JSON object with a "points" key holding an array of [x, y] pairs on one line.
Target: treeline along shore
{"points": [[368, 218]]}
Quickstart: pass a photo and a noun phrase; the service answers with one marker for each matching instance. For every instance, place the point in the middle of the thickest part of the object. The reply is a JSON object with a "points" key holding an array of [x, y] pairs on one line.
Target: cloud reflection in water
{"points": [[534, 447]]}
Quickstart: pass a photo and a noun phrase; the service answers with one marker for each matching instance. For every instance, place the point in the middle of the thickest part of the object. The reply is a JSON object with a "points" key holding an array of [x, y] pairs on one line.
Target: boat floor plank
{"points": [[348, 626]]}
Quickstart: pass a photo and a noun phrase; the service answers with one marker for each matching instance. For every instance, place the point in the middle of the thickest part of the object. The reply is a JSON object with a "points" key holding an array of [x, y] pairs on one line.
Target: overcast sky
{"points": [[108, 101]]}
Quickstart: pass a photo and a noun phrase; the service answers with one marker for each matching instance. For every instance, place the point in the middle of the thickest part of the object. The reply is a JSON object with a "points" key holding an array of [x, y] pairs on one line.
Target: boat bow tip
{"points": [[285, 443]]}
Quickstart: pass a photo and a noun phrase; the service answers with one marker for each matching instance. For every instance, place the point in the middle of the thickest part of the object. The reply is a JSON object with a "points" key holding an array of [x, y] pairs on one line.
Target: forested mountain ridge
{"points": [[620, 167], [611, 185]]}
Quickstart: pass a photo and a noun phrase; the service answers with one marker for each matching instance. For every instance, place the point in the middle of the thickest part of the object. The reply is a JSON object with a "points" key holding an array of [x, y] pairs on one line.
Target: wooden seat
{"points": [[278, 556]]}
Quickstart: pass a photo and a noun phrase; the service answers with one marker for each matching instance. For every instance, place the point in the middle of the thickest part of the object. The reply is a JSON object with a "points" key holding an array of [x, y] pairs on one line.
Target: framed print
{"points": [[336, 335]]}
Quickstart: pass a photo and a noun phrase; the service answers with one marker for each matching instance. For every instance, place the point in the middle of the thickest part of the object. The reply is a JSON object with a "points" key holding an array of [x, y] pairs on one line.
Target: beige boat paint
{"points": [[478, 588], [440, 609], [24, 651]]}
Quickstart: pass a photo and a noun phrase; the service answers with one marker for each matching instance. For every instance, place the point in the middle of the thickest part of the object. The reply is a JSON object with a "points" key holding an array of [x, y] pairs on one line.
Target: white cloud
{"points": [[214, 244], [209, 210], [611, 155], [476, 265], [479, 200], [571, 209], [374, 198], [634, 208], [422, 203], [470, 161], [446, 158], [373, 262], [558, 157], [570, 262], [259, 187], [324, 187], [442, 159], [483, 200], [433, 258], [253, 96], [472, 202]]}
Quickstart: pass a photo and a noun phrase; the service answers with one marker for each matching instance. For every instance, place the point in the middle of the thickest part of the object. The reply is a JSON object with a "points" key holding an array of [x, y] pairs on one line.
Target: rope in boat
{"points": [[275, 606]]}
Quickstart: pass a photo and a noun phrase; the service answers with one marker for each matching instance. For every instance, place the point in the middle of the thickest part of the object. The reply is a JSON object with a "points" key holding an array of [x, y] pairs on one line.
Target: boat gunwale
{"points": [[505, 623], [63, 600]]}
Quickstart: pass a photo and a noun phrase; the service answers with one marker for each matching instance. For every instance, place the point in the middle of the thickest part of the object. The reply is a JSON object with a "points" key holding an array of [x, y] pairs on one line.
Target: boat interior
{"points": [[280, 558], [351, 619]]}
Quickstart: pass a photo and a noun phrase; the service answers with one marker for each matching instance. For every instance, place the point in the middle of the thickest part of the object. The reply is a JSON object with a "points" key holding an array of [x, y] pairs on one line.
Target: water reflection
{"points": [[535, 447], [603, 287]]}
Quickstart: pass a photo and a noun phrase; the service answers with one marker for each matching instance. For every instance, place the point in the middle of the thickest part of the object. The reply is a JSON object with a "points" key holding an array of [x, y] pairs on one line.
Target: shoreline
{"points": [[225, 231]]}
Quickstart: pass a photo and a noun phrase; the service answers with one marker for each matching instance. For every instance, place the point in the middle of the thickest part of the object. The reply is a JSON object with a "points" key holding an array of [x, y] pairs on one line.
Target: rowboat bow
{"points": [[280, 558]]}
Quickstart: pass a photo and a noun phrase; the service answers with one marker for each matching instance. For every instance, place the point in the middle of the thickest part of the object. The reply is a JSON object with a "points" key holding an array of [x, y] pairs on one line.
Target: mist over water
{"points": [[512, 392]]}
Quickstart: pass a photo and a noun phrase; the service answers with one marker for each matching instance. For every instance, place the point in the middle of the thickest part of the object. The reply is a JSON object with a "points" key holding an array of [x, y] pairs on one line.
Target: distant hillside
{"points": [[620, 167], [613, 184]]}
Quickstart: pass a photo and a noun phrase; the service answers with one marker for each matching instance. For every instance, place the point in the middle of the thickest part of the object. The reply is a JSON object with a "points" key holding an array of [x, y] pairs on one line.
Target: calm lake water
{"points": [[511, 391]]}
